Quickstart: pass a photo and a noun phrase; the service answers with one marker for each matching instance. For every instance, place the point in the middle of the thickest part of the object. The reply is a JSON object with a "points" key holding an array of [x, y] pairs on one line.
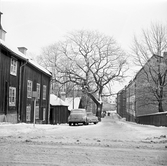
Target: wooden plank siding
{"points": [[26, 70], [34, 75], [159, 119], [59, 114], [6, 81]]}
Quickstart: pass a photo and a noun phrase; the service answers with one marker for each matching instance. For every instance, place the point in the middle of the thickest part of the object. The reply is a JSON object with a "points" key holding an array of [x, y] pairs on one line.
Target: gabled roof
{"points": [[141, 69], [148, 61], [56, 101], [21, 56], [73, 102], [13, 50]]}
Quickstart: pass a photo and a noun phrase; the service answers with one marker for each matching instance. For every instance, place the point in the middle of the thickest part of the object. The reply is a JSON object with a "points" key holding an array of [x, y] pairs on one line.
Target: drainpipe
{"points": [[20, 83], [48, 118]]}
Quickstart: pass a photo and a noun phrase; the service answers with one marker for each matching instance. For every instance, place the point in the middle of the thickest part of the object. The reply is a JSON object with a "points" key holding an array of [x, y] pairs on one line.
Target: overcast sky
{"points": [[37, 23]]}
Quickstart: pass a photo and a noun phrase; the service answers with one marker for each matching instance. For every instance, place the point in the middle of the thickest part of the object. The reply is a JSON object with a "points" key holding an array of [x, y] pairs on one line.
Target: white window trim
{"points": [[44, 92], [29, 89], [38, 90], [13, 67], [12, 96]]}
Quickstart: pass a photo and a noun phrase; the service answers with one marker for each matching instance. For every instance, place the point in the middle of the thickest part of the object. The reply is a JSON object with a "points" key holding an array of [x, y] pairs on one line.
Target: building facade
{"points": [[19, 77], [141, 96]]}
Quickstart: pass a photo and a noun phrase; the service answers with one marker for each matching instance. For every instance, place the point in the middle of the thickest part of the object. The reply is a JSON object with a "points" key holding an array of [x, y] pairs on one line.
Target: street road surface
{"points": [[111, 142]]}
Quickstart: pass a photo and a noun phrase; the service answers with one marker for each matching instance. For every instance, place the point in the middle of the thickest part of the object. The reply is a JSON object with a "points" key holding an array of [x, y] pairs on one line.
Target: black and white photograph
{"points": [[83, 82]]}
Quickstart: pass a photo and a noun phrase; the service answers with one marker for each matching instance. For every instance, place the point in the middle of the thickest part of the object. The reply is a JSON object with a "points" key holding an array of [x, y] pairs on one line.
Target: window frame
{"points": [[44, 92], [29, 89], [38, 90], [13, 67], [12, 96]]}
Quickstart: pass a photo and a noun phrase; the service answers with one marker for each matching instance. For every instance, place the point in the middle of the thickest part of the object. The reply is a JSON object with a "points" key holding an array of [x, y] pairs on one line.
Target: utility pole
{"points": [[35, 97], [73, 97]]}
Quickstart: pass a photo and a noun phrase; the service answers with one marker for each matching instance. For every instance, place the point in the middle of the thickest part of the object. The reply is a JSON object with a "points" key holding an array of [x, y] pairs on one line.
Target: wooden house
{"points": [[19, 77], [58, 110]]}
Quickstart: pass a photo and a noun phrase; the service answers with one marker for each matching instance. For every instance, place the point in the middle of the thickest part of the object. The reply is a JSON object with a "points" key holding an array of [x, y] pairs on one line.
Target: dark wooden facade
{"points": [[58, 110], [157, 119], [59, 114], [8, 80], [38, 78], [15, 103]]}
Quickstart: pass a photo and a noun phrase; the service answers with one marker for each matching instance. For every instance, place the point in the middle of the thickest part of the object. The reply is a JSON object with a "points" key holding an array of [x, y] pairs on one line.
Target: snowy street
{"points": [[111, 142]]}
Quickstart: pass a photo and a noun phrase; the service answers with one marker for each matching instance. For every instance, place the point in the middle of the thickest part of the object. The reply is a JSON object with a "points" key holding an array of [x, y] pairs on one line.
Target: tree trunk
{"points": [[160, 107], [99, 110], [99, 106]]}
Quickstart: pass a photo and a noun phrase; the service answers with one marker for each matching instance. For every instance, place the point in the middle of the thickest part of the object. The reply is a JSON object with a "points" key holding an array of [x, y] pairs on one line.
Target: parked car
{"points": [[77, 116], [91, 118]]}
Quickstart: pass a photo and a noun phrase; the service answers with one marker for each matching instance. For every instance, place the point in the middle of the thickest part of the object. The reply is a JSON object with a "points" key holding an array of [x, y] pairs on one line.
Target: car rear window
{"points": [[89, 114], [78, 110]]}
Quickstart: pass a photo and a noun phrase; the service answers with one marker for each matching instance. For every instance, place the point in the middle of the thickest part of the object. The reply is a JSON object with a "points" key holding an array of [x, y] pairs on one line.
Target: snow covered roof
{"points": [[13, 50], [35, 64], [56, 101], [73, 102], [20, 55]]}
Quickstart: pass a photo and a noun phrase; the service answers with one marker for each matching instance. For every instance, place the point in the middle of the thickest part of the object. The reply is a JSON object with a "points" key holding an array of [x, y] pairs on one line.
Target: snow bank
{"points": [[110, 128]]}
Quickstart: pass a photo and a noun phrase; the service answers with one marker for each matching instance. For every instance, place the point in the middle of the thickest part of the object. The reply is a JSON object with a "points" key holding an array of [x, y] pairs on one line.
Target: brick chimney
{"points": [[2, 31], [22, 50]]}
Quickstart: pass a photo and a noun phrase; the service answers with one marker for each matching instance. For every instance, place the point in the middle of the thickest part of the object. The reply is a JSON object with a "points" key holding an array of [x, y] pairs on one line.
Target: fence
{"points": [[157, 119]]}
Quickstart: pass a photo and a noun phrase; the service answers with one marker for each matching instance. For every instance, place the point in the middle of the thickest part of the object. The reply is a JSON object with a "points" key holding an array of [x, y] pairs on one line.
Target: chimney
{"points": [[2, 31], [22, 50], [63, 95]]}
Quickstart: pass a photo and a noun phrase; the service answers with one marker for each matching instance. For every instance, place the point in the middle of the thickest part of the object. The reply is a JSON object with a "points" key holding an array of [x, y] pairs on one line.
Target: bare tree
{"points": [[90, 60], [49, 57], [148, 52]]}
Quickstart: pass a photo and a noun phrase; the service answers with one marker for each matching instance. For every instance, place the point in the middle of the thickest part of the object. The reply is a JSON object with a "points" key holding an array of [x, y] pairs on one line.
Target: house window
{"points": [[44, 92], [29, 89], [28, 113], [12, 96], [38, 90], [13, 67], [44, 113], [37, 112]]}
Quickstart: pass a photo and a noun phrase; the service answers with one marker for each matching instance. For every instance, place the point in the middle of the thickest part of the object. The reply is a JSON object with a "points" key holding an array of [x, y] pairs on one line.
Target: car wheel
{"points": [[70, 124], [95, 122]]}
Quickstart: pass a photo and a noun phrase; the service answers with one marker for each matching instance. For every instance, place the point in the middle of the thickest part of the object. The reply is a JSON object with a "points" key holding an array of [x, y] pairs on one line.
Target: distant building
{"points": [[138, 98], [19, 77], [121, 103]]}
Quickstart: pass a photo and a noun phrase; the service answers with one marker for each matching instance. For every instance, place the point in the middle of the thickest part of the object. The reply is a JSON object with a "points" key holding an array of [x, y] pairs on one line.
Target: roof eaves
{"points": [[13, 52], [20, 55]]}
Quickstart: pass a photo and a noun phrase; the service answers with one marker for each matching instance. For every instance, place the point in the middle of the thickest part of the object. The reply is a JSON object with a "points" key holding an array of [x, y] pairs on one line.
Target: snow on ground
{"points": [[111, 129], [113, 141]]}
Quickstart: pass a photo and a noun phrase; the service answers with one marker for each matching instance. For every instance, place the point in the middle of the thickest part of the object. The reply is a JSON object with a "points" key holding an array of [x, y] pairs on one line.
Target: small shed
{"points": [[58, 110]]}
